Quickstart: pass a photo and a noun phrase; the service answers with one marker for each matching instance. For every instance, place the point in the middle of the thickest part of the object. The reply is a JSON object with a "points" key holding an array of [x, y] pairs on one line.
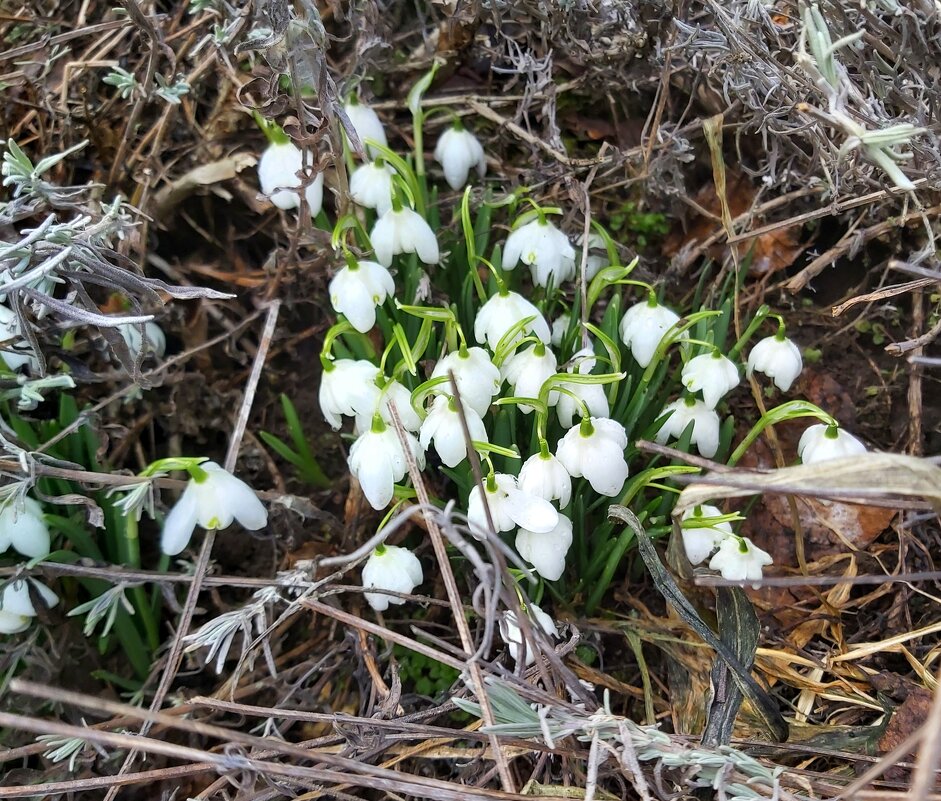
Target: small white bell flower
{"points": [[278, 170], [478, 379], [348, 387], [16, 607], [705, 425], [595, 449], [403, 231], [501, 312], [16, 354], [528, 370], [395, 394], [643, 327], [569, 409], [378, 462], [371, 186], [821, 442], [778, 358], [509, 507], [545, 249], [442, 428], [559, 326], [358, 289], [711, 373], [546, 552], [213, 501], [597, 254], [513, 636], [390, 567], [457, 151], [739, 559], [156, 340], [367, 125], [701, 538], [24, 528], [544, 475]]}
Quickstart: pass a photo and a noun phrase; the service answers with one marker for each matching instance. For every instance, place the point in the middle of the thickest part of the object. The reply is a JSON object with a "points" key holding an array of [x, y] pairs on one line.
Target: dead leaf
{"points": [[170, 196]]}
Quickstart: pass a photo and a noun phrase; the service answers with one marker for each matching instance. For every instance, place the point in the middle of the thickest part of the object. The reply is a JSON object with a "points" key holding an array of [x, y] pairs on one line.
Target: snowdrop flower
{"points": [[14, 357], [277, 173], [403, 231], [546, 552], [156, 340], [559, 326], [371, 186], [712, 373], [705, 425], [348, 387], [778, 358], [569, 409], [739, 559], [378, 462], [643, 327], [442, 427], [213, 498], [701, 538], [390, 567], [595, 450], [544, 475], [457, 151], [545, 249], [16, 607], [357, 289], [528, 370], [23, 527], [478, 379], [395, 394], [597, 254], [501, 312], [822, 442], [509, 507], [367, 125], [513, 636]]}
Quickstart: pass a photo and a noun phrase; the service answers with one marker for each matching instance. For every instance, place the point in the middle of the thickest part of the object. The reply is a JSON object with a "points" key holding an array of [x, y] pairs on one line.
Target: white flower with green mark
{"points": [[442, 429], [23, 527], [528, 370], [544, 475], [367, 125], [478, 379], [395, 394], [457, 151], [509, 507], [379, 462], [544, 249], [712, 374], [358, 289], [278, 170], [705, 422], [512, 634], [643, 327], [546, 551], [700, 536], [822, 442], [595, 449], [778, 358], [739, 559], [348, 388], [403, 231], [371, 186], [504, 310], [17, 607], [390, 567]]}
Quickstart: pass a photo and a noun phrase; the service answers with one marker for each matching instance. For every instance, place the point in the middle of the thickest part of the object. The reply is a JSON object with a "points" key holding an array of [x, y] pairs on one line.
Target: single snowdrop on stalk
{"points": [[367, 124], [457, 151], [518, 646], [643, 327], [544, 249], [402, 230], [705, 424], [509, 507], [278, 170], [778, 358], [371, 186], [739, 559], [504, 310], [443, 429], [546, 551], [559, 326], [595, 449], [358, 289], [712, 374], [478, 379], [544, 475], [573, 397], [17, 608], [154, 340], [393, 393], [527, 370], [822, 442], [23, 527], [700, 536], [347, 387], [378, 461], [390, 567], [213, 499]]}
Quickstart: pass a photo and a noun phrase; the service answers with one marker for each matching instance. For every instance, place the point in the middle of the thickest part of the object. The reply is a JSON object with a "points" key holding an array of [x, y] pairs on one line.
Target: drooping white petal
{"points": [[713, 375], [371, 187], [13, 624], [820, 443], [739, 559], [513, 636], [478, 379], [531, 512], [457, 151], [442, 428], [24, 528], [597, 454], [705, 421], [546, 551], [778, 358], [391, 568], [348, 388], [179, 524], [701, 540], [501, 312], [643, 327], [547, 478], [545, 249], [368, 126], [403, 231], [357, 293]]}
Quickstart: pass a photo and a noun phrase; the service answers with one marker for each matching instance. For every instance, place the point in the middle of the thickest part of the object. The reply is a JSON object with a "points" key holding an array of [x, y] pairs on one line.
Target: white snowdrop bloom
{"points": [[568, 409], [711, 373], [24, 528], [213, 501], [395, 394], [509, 507], [739, 559], [513, 636], [478, 379], [705, 425], [545, 249], [278, 170], [778, 358], [559, 326], [457, 151], [16, 607], [442, 428], [595, 449], [378, 462], [544, 475], [348, 388], [371, 186], [367, 125], [701, 539], [156, 340], [16, 354], [501, 312], [403, 231], [356, 291], [644, 326], [597, 254], [528, 370], [546, 551], [390, 567], [821, 442]]}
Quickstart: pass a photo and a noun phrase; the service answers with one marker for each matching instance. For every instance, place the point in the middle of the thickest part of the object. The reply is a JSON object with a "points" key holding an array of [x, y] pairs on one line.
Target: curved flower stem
{"points": [[760, 315], [791, 410]]}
